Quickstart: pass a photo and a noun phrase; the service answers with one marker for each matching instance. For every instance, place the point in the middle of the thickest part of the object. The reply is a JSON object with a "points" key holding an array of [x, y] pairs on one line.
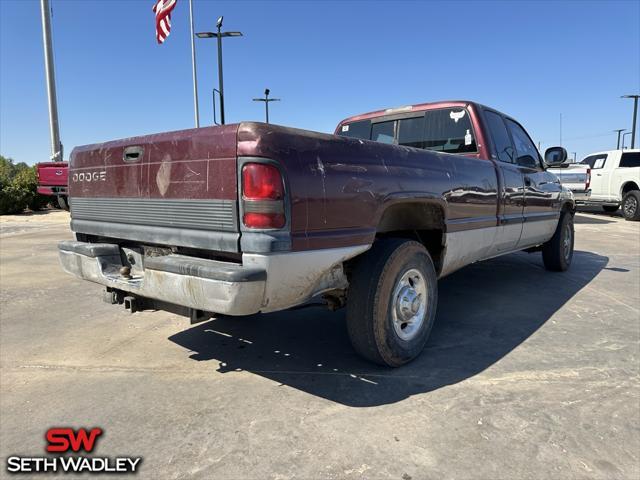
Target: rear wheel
{"points": [[392, 302], [63, 202], [557, 253], [631, 206], [610, 208]]}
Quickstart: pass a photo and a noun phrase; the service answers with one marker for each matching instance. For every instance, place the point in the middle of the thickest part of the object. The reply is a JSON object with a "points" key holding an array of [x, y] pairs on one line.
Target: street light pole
{"points": [[220, 81], [196, 110], [574, 157], [219, 36], [54, 127], [561, 129], [624, 135], [266, 101], [635, 117], [619, 131]]}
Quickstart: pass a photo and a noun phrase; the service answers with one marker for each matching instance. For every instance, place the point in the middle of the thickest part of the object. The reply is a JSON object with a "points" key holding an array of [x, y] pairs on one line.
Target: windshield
{"points": [[442, 130]]}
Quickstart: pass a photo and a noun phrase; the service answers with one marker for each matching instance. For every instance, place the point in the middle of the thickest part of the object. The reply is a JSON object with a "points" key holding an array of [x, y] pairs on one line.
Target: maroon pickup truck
{"points": [[53, 180], [251, 217]]}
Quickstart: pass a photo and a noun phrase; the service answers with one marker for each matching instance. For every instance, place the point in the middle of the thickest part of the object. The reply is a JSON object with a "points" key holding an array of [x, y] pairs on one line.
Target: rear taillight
{"points": [[588, 179], [262, 196]]}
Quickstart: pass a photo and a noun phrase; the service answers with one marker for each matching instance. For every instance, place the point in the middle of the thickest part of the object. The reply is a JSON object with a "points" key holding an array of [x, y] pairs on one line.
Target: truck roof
{"points": [[626, 150], [412, 108]]}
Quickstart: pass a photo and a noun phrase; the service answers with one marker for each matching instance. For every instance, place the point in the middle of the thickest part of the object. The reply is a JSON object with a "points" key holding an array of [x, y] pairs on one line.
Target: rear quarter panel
{"points": [[339, 187]]}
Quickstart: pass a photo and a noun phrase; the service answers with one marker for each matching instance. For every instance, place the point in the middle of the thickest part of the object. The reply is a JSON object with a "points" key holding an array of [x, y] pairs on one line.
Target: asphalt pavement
{"points": [[527, 375]]}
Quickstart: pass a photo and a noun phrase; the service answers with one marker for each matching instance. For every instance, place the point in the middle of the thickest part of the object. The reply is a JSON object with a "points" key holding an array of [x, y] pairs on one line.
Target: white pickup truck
{"points": [[610, 179]]}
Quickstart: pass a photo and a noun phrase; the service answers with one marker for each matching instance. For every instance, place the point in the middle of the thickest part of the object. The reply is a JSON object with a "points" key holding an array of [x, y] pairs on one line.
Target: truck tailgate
{"points": [[177, 188], [574, 178], [52, 173]]}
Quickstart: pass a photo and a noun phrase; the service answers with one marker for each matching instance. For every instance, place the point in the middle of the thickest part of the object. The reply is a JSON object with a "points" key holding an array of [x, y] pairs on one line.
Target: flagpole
{"points": [[193, 68]]}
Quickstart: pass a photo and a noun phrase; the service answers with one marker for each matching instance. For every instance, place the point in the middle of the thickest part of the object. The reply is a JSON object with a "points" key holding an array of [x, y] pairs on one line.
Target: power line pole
{"points": [[620, 130], [266, 101], [635, 117], [54, 127]]}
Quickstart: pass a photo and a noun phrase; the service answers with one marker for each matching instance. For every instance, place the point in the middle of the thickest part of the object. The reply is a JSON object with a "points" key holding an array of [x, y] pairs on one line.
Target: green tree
{"points": [[18, 187]]}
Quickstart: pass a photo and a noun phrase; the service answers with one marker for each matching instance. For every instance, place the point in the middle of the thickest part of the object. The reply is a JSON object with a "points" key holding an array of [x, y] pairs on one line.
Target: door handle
{"points": [[598, 174], [133, 153]]}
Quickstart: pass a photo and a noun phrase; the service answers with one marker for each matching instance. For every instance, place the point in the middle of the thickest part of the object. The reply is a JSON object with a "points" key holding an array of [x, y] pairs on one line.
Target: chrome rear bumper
{"points": [[197, 283]]}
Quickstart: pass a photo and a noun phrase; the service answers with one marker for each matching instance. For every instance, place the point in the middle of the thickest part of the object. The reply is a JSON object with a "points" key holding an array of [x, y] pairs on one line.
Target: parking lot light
{"points": [[619, 131], [635, 118], [219, 35]]}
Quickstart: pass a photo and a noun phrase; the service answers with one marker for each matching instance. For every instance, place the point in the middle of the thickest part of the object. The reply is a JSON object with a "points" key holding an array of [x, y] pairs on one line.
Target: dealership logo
{"points": [[65, 442], [65, 439], [100, 176]]}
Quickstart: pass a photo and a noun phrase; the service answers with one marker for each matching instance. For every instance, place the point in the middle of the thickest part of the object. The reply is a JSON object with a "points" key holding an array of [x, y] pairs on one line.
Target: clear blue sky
{"points": [[325, 59]]}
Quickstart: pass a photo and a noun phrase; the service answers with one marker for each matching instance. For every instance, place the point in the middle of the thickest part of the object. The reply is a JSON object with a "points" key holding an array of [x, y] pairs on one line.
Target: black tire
{"points": [[610, 208], [63, 202], [631, 206], [557, 253], [376, 281]]}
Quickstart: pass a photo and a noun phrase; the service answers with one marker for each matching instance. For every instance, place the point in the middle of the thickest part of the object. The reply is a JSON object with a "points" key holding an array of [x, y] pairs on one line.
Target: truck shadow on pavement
{"points": [[583, 219], [485, 311]]}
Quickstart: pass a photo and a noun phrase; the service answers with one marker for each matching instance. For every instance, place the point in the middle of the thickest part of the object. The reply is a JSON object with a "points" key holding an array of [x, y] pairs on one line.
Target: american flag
{"points": [[163, 9]]}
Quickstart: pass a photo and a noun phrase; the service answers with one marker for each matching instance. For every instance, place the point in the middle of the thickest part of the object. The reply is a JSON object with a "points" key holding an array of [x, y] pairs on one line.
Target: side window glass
{"points": [[527, 153], [630, 160], [595, 161], [449, 130], [501, 140], [410, 132], [383, 132]]}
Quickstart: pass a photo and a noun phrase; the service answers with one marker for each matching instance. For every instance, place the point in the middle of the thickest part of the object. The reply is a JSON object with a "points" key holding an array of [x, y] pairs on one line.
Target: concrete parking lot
{"points": [[528, 374]]}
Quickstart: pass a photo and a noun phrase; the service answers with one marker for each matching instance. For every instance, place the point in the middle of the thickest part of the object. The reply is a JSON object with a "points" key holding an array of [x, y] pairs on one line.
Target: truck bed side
{"points": [[341, 187]]}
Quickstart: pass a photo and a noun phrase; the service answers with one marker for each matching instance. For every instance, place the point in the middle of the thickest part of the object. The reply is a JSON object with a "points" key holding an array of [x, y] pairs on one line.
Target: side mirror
{"points": [[555, 156]]}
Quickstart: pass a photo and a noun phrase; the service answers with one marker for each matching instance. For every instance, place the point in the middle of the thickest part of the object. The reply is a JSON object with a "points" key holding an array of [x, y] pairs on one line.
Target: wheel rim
{"points": [[566, 242], [409, 304], [630, 206]]}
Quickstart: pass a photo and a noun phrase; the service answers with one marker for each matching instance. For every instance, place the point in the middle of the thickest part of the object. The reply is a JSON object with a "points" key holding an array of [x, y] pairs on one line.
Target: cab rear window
{"points": [[595, 161], [442, 130]]}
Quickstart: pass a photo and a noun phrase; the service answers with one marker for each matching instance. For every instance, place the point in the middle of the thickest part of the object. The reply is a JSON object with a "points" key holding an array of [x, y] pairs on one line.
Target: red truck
{"points": [[53, 179], [252, 217]]}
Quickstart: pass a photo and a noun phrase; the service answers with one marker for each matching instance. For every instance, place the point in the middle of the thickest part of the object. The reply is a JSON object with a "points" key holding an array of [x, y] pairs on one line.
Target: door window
{"points": [[501, 140], [630, 160], [526, 152]]}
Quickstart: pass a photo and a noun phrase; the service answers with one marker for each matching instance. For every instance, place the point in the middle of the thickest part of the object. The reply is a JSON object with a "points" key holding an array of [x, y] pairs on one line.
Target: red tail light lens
{"points": [[263, 220], [261, 182], [588, 178], [262, 196]]}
